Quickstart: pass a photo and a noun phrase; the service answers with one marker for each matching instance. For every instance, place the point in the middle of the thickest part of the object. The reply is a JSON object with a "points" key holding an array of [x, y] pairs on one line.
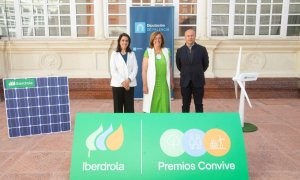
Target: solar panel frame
{"points": [[42, 109]]}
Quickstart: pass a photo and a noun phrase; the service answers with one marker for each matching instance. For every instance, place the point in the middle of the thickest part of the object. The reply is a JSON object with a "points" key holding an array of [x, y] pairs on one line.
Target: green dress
{"points": [[160, 100]]}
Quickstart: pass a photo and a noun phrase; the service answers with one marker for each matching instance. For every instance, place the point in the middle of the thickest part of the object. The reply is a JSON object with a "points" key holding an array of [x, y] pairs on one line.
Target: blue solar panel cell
{"points": [[34, 111], [22, 102], [21, 93], [55, 127], [10, 93], [14, 132], [65, 126], [53, 91], [63, 90], [42, 82], [45, 129], [41, 107], [35, 130], [25, 131], [35, 121], [43, 91], [32, 92], [12, 113], [13, 123], [11, 103], [63, 99], [33, 102], [54, 100], [23, 112]]}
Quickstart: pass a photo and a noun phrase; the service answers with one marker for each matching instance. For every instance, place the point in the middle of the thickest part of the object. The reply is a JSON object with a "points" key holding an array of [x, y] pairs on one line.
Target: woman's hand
{"points": [[145, 89], [126, 84]]}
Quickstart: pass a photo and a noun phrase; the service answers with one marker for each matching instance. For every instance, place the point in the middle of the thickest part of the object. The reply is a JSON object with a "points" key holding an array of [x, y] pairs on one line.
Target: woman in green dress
{"points": [[157, 76]]}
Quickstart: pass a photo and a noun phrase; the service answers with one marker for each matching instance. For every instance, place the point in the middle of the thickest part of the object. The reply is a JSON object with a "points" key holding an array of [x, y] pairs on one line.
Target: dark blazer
{"points": [[192, 65]]}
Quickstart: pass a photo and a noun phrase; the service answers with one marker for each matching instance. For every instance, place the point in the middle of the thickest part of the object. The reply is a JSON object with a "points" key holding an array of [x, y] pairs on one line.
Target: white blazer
{"points": [[151, 75], [121, 71]]}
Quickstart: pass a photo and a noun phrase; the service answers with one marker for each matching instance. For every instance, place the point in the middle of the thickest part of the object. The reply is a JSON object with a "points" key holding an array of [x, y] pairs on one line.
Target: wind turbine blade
{"points": [[239, 62], [235, 89], [244, 91]]}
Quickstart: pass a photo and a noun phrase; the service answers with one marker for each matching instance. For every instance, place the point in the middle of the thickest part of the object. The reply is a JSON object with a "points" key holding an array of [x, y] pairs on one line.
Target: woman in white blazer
{"points": [[123, 70]]}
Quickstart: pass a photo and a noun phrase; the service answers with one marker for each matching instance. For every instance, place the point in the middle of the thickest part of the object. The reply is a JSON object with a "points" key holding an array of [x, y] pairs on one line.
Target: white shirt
{"points": [[121, 71]]}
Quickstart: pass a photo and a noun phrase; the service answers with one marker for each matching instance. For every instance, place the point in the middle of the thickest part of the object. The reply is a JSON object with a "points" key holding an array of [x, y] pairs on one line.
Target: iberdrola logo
{"points": [[103, 140]]}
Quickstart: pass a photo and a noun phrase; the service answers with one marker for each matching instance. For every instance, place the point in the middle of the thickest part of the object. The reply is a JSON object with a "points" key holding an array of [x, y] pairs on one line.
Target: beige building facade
{"points": [[86, 60]]}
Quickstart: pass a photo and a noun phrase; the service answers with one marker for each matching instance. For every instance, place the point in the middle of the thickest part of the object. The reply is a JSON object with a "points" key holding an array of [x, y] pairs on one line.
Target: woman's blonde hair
{"points": [[152, 37]]}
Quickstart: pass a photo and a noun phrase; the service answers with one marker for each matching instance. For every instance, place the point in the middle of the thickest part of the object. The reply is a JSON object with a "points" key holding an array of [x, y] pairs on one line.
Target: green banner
{"points": [[158, 146], [20, 83]]}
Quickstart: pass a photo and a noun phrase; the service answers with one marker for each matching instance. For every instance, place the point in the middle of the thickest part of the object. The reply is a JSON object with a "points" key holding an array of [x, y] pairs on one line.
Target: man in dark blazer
{"points": [[192, 61]]}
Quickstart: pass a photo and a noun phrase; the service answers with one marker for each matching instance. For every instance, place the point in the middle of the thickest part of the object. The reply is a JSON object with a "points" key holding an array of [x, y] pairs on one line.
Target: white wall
{"points": [[90, 58]]}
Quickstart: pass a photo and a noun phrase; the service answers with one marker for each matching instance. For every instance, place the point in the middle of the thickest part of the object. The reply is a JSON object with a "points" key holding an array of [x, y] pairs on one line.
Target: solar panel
{"points": [[37, 105]]}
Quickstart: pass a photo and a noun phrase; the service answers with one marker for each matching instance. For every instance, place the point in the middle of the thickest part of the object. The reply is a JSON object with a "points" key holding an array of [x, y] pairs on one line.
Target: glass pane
{"points": [[11, 21], [187, 19], [39, 31], [53, 31], [146, 1], [266, 1], [65, 20], [191, 1], [275, 30], [240, 1], [25, 1], [250, 20], [53, 20], [293, 31], [39, 20], [66, 31], [277, 1], [239, 20], [220, 9], [276, 19], [219, 19], [239, 9], [187, 9], [3, 31], [220, 1], [88, 1], [52, 1], [294, 8], [85, 9], [26, 21], [251, 9], [85, 20], [294, 19], [85, 31], [265, 9], [277, 9], [38, 9], [116, 31], [263, 30], [168, 1], [64, 9], [294, 1], [133, 1], [39, 1], [117, 20], [251, 1], [264, 19], [26, 9], [238, 30], [52, 9], [250, 30], [182, 29], [219, 30], [116, 9], [27, 31]]}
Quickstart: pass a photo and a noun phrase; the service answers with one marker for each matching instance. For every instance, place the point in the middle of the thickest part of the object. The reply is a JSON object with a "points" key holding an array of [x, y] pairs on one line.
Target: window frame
{"points": [[231, 25]]}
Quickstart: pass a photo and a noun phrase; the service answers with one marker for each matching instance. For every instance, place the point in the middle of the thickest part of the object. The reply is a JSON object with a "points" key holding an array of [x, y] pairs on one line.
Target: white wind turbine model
{"points": [[240, 79]]}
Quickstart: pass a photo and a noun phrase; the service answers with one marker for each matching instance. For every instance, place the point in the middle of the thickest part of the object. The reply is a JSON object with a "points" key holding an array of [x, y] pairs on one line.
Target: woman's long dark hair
{"points": [[119, 40]]}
